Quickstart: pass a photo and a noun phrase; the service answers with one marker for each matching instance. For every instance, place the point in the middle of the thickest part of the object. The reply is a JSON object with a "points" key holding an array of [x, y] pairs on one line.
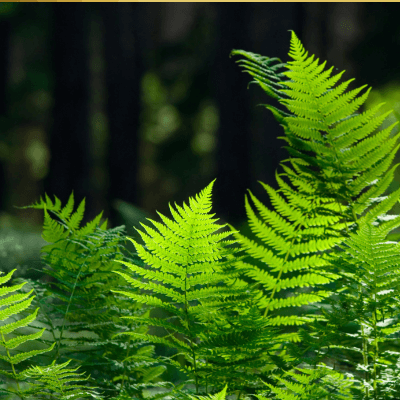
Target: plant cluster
{"points": [[227, 318]]}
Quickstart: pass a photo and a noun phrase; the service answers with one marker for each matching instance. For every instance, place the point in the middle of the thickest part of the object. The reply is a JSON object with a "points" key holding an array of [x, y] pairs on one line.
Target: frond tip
{"points": [[184, 250]]}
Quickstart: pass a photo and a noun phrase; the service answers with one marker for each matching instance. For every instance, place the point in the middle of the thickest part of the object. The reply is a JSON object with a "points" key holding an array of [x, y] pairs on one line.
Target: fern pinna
{"points": [[78, 308], [327, 204]]}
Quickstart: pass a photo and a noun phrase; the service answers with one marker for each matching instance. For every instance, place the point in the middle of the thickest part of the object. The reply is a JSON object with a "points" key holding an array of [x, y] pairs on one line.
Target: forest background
{"points": [[135, 105]]}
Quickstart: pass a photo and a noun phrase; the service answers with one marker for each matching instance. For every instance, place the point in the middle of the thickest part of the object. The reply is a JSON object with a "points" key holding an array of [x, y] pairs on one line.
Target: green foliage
{"points": [[55, 384], [371, 265], [188, 255], [229, 333], [325, 208], [55, 378], [78, 308]]}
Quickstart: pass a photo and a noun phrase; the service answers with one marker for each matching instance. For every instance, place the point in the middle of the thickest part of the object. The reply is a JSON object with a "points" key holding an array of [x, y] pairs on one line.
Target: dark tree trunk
{"points": [[69, 139], [5, 29], [123, 76], [233, 144]]}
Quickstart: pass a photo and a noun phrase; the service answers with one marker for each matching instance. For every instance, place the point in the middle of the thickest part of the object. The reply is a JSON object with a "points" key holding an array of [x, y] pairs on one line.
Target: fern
{"points": [[80, 311], [22, 301], [54, 378], [338, 179], [231, 333], [187, 255], [373, 265], [232, 346], [324, 209]]}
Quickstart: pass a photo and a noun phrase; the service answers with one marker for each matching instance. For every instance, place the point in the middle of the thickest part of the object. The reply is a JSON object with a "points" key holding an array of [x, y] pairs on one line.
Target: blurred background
{"points": [[135, 105]]}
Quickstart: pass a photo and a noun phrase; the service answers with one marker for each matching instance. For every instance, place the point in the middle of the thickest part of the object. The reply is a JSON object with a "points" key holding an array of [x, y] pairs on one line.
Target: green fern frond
{"points": [[14, 309], [372, 264], [339, 172], [335, 387], [345, 166], [187, 255], [69, 222], [78, 308], [54, 378]]}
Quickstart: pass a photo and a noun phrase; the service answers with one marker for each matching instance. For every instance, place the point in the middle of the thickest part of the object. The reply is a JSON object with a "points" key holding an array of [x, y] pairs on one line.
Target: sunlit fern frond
{"points": [[344, 159], [340, 171], [187, 255]]}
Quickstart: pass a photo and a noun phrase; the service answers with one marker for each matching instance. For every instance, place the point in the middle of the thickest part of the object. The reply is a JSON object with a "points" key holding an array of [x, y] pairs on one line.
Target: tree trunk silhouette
{"points": [[123, 76], [5, 28], [233, 144], [69, 139]]}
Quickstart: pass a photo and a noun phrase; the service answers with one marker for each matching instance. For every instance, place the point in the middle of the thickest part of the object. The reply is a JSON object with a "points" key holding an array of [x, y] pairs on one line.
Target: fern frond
{"points": [[339, 173], [317, 108], [78, 308], [373, 264], [14, 309], [186, 255], [54, 378], [335, 386]]}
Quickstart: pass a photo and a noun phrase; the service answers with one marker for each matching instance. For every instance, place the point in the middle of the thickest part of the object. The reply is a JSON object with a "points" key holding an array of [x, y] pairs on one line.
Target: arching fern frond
{"points": [[185, 255], [321, 121], [339, 174], [53, 232]]}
